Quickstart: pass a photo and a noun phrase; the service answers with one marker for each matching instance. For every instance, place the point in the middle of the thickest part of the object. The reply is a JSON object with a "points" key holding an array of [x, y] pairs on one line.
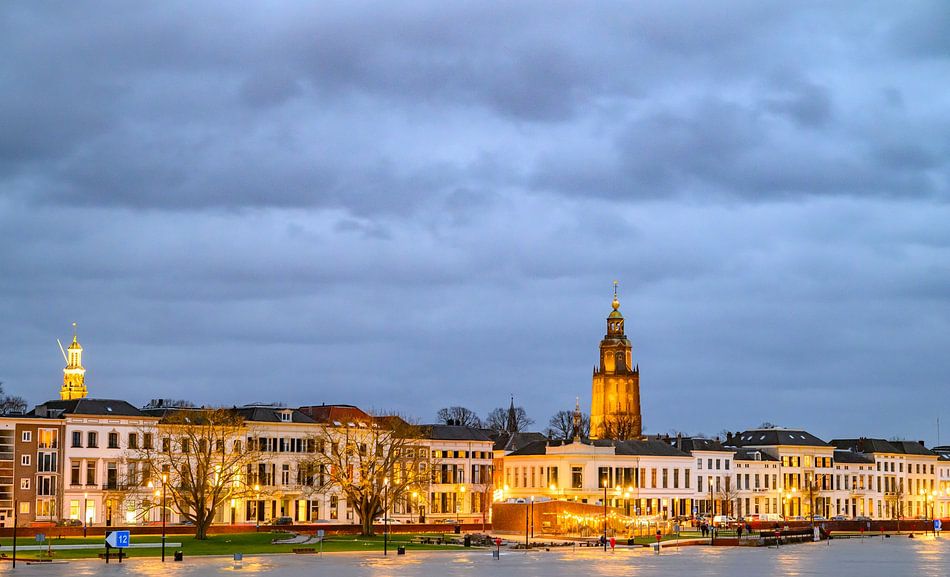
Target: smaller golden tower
{"points": [[74, 375]]}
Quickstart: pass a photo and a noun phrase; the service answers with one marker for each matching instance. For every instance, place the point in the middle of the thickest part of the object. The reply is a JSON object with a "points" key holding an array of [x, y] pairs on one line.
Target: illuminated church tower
{"points": [[615, 402], [74, 375]]}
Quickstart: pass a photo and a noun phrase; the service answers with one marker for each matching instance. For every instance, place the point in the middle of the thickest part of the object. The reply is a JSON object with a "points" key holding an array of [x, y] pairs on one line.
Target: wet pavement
{"points": [[897, 556]]}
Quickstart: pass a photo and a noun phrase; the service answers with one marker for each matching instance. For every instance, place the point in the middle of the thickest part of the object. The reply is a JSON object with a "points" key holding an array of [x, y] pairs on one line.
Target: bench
{"points": [[304, 550], [427, 540]]}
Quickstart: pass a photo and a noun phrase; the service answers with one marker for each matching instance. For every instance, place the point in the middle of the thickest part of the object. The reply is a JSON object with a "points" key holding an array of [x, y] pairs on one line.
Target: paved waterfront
{"points": [[858, 558]]}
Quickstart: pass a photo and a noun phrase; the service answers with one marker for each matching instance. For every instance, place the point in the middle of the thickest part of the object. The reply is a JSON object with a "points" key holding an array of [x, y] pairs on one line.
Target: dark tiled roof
{"points": [[775, 437], [108, 407], [505, 441], [644, 448], [846, 456], [271, 415], [865, 445], [630, 448], [753, 455], [690, 444], [454, 433], [912, 448]]}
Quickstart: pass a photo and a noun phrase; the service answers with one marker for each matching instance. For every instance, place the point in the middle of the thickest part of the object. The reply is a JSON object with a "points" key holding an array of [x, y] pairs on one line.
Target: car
{"points": [[862, 518], [839, 518], [282, 521], [70, 523], [387, 520], [448, 521], [819, 518], [723, 520]]}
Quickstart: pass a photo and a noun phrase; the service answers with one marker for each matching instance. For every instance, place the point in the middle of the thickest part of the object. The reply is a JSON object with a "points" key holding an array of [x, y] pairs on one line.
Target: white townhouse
{"points": [[716, 487], [805, 472], [900, 479], [101, 484], [460, 488], [642, 478]]}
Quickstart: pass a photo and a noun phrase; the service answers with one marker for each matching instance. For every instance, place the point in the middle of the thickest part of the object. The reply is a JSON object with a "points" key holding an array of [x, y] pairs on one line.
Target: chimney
{"points": [[922, 443]]}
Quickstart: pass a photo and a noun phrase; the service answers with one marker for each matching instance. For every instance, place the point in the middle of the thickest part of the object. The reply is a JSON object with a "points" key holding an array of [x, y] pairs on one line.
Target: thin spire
{"points": [[512, 424], [616, 303], [75, 332]]}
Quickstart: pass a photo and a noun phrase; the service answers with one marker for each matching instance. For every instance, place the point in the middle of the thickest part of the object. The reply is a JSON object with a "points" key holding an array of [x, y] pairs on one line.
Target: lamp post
{"points": [[164, 505], [385, 516], [85, 497], [257, 508], [16, 509], [605, 513], [458, 505], [532, 516]]}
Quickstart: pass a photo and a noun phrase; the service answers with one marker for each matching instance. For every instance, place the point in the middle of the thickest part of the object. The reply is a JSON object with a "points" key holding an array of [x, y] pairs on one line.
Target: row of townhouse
{"points": [[80, 460], [770, 473]]}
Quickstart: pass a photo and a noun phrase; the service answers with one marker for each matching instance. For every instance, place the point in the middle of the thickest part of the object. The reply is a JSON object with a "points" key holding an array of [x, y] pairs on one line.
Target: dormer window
{"points": [[286, 416]]}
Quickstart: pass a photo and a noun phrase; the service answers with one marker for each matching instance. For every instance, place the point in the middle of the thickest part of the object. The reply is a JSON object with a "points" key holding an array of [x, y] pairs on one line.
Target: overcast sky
{"points": [[407, 205]]}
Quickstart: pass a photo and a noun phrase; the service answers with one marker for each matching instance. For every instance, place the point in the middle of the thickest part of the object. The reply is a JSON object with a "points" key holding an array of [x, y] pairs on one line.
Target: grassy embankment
{"points": [[228, 544]]}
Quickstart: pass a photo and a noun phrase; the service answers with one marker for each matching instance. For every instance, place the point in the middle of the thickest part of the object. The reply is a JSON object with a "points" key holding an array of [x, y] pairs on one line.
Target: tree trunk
{"points": [[202, 523], [366, 522]]}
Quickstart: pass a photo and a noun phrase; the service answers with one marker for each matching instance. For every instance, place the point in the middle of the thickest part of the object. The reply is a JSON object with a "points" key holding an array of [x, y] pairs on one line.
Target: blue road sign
{"points": [[937, 525], [118, 539]]}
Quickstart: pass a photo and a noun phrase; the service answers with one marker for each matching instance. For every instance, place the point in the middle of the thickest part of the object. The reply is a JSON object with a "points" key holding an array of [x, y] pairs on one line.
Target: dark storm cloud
{"points": [[421, 204]]}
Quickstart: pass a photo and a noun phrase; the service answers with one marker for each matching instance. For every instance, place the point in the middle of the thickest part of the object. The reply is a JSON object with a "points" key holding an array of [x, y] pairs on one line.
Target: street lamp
{"points": [[458, 505], [385, 516], [257, 507], [605, 512], [532, 516], [164, 505], [85, 497]]}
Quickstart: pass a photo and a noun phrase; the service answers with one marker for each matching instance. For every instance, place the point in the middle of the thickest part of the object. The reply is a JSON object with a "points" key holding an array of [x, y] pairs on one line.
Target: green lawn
{"points": [[228, 544]]}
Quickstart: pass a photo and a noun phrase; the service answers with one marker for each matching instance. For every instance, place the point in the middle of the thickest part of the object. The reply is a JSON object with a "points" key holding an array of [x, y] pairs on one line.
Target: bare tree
{"points": [[620, 427], [727, 495], [11, 403], [896, 500], [497, 419], [369, 463], [561, 426], [811, 493], [459, 416], [201, 461]]}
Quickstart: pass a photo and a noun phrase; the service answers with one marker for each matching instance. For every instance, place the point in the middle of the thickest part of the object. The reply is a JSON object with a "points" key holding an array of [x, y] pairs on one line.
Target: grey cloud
{"points": [[412, 205]]}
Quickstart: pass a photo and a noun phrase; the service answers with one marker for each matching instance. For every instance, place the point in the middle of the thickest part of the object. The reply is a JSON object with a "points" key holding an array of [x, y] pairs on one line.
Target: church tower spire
{"points": [[615, 394], [512, 424], [74, 375]]}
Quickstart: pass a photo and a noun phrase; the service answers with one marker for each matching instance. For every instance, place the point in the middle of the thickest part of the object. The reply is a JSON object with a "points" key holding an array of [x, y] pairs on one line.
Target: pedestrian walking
{"points": [[739, 531]]}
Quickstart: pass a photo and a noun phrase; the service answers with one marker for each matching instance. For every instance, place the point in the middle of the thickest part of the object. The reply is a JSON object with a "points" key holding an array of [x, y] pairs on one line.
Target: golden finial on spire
{"points": [[616, 303], [75, 332]]}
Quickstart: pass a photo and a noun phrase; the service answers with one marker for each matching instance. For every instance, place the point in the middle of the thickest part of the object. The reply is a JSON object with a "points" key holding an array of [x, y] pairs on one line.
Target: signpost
{"points": [[320, 535], [117, 540], [938, 526]]}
